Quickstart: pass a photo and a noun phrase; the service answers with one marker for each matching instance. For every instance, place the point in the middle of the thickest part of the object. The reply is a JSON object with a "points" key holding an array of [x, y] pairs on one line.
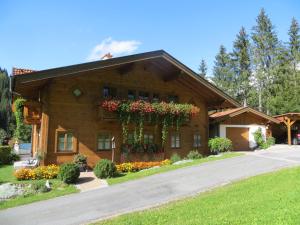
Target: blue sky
{"points": [[47, 34]]}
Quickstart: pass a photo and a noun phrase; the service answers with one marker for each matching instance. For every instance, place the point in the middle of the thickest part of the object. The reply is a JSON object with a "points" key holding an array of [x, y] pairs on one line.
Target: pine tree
{"points": [[5, 106], [294, 51], [242, 66], [203, 68], [265, 45], [223, 76]]}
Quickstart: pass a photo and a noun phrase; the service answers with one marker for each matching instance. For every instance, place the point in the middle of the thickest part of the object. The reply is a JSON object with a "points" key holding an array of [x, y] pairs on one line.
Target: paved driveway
{"points": [[150, 191]]}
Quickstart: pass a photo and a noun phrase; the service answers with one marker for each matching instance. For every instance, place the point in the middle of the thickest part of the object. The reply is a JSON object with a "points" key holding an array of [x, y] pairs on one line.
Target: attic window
{"points": [[77, 92]]}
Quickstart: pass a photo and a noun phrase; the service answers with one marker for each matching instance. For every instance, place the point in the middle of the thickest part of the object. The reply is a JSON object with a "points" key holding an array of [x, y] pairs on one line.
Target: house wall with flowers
{"points": [[78, 122]]}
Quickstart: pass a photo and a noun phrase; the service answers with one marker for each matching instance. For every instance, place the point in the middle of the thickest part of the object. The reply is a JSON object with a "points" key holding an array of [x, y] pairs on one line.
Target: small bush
{"points": [[25, 174], [194, 154], [259, 137], [219, 144], [5, 155], [175, 158], [105, 169], [14, 157], [39, 186], [271, 141], [69, 173], [3, 136], [80, 159]]}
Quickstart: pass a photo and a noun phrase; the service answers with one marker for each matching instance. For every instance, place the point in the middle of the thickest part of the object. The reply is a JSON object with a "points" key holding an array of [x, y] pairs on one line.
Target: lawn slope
{"points": [[272, 198]]}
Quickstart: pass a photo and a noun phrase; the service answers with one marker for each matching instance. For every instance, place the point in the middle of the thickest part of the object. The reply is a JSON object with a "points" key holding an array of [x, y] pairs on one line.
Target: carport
{"points": [[290, 120]]}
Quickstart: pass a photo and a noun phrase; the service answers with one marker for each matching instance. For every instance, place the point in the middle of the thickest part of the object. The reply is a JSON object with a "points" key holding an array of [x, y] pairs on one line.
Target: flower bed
{"points": [[136, 166], [41, 172]]}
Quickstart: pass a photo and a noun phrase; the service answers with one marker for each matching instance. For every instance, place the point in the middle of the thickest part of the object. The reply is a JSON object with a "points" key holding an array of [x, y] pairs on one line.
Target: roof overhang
{"points": [[240, 111], [293, 115], [160, 58]]}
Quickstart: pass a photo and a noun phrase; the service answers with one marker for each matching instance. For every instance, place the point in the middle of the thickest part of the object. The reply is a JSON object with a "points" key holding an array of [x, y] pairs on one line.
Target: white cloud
{"points": [[116, 48]]}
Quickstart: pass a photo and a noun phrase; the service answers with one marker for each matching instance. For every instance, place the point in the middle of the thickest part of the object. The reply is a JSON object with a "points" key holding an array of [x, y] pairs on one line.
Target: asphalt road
{"points": [[82, 208]]}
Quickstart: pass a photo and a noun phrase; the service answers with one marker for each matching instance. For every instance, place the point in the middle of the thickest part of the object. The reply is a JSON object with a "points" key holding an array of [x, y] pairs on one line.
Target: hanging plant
{"points": [[163, 113]]}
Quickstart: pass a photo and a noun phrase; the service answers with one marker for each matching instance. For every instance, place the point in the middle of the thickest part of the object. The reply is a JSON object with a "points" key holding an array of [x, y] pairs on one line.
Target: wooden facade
{"points": [[66, 114]]}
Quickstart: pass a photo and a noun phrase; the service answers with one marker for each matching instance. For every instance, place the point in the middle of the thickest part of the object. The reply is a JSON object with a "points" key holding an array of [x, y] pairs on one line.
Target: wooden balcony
{"points": [[32, 112]]}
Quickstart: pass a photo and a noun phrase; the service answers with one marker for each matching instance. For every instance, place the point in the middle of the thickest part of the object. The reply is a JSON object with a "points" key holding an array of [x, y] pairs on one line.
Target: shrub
{"points": [[175, 158], [25, 174], [219, 144], [271, 141], [3, 136], [105, 168], [194, 154], [14, 157], [46, 172], [80, 159], [259, 137], [39, 186], [69, 173], [6, 155]]}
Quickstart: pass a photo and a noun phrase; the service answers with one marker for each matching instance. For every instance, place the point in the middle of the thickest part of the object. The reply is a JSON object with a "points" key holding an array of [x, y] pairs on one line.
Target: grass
{"points": [[58, 189], [136, 175], [266, 199]]}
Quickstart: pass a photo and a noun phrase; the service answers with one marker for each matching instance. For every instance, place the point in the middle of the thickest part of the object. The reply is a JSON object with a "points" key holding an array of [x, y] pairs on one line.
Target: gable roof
{"points": [[161, 55], [221, 116]]}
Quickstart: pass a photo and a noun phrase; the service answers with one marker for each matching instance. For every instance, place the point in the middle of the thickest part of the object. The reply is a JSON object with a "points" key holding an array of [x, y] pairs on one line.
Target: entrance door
{"points": [[239, 137]]}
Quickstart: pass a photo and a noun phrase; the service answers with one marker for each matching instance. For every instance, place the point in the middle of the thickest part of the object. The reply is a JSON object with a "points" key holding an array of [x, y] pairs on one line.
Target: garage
{"points": [[239, 125], [239, 137]]}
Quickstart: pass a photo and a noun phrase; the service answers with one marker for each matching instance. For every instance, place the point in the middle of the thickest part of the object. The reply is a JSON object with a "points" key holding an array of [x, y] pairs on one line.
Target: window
{"points": [[173, 98], [104, 142], [175, 140], [65, 142], [144, 95], [130, 139], [109, 92], [77, 92], [148, 138], [197, 140], [131, 94], [155, 97]]}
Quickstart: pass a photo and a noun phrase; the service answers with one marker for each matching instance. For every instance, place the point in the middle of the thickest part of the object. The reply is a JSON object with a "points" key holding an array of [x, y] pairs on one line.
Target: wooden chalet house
{"points": [[78, 108]]}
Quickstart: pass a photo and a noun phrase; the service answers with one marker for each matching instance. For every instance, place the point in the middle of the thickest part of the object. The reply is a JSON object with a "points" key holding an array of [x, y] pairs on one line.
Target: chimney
{"points": [[106, 56]]}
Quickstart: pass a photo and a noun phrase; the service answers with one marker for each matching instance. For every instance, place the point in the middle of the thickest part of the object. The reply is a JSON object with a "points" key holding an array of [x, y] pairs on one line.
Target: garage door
{"points": [[239, 137]]}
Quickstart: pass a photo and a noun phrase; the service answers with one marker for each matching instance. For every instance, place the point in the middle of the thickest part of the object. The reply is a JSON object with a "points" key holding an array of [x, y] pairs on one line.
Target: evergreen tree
{"points": [[294, 51], [223, 76], [242, 66], [5, 100], [265, 46], [203, 68]]}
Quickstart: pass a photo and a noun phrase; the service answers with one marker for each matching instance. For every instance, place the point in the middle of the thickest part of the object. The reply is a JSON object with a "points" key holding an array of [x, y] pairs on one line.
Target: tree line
{"points": [[261, 71], [7, 117]]}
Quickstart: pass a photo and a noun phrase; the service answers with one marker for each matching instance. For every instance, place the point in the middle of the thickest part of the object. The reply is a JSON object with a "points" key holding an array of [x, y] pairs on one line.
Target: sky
{"points": [[46, 34]]}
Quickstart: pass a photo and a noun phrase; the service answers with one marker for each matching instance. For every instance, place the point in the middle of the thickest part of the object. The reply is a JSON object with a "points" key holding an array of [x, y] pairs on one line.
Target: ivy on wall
{"points": [[22, 131]]}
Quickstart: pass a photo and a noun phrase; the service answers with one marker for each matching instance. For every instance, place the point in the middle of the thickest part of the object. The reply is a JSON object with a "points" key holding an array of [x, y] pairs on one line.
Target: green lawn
{"points": [[266, 199], [145, 173], [58, 189]]}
